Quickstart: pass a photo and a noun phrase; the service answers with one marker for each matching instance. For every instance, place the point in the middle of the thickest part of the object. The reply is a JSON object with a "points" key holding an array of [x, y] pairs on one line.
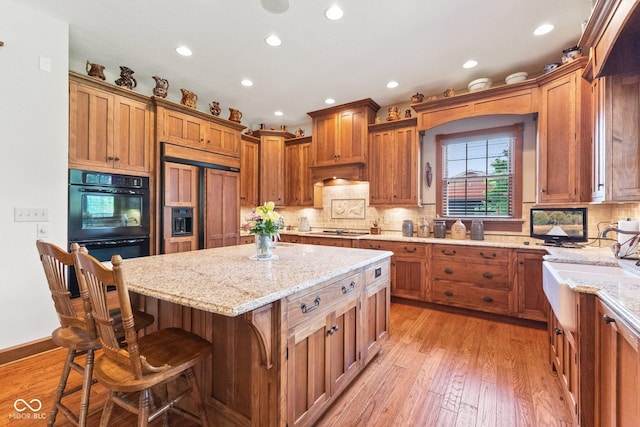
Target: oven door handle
{"points": [[110, 191], [114, 242]]}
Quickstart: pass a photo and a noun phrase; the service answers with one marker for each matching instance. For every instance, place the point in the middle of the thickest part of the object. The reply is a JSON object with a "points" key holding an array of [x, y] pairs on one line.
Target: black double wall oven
{"points": [[108, 214]]}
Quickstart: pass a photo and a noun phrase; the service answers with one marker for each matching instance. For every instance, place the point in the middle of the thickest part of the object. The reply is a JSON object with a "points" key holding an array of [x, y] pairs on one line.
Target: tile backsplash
{"points": [[599, 215]]}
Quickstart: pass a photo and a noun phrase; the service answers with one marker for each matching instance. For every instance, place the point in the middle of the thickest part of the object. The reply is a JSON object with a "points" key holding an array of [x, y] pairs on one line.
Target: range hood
{"points": [[349, 172]]}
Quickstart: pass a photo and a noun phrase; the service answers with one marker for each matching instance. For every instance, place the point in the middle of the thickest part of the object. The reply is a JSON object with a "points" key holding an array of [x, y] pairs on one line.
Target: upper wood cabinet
{"points": [[109, 127], [298, 186], [249, 171], [393, 163], [616, 153], [564, 150], [184, 126], [340, 133], [271, 182]]}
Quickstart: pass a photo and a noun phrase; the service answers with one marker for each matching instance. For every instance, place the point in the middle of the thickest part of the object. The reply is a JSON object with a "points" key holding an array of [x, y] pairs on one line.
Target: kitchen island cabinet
{"points": [[617, 369], [306, 315]]}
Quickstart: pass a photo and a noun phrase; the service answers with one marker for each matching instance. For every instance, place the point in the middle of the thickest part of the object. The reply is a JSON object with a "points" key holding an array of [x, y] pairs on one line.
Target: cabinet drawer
{"points": [[328, 241], [302, 307], [398, 248], [473, 297], [377, 273], [484, 255], [489, 276]]}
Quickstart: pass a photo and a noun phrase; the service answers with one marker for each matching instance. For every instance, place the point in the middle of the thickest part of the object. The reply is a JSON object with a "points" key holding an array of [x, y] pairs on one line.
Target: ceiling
{"points": [[421, 44]]}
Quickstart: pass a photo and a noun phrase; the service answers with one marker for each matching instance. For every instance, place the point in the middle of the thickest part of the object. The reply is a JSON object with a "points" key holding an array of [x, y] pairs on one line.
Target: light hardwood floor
{"points": [[439, 368]]}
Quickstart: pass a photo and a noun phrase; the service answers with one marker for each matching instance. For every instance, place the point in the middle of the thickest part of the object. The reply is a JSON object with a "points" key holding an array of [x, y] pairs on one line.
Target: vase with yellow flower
{"points": [[265, 223]]}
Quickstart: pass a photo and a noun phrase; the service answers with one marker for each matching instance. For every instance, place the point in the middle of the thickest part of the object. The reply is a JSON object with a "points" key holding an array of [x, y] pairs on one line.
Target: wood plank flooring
{"points": [[439, 368]]}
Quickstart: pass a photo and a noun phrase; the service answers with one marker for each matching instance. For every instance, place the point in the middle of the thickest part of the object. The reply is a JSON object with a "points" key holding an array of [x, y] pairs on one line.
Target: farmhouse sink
{"points": [[561, 296]]}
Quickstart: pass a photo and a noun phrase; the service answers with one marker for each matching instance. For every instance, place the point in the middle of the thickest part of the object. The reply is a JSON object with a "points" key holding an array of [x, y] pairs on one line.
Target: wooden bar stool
{"points": [[76, 332], [152, 360], [77, 329]]}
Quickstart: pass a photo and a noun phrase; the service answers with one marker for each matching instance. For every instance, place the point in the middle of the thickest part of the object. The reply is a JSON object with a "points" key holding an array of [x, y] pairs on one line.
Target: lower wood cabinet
{"points": [[563, 355], [532, 302], [478, 278], [327, 241], [409, 267], [617, 370]]}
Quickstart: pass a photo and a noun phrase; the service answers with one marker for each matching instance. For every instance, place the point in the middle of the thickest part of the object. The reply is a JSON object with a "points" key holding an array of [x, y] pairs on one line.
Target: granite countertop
{"points": [[225, 281], [392, 236], [620, 293]]}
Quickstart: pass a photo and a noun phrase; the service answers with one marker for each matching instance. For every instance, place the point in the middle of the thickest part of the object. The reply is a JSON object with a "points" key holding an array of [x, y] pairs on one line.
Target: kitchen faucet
{"points": [[617, 247]]}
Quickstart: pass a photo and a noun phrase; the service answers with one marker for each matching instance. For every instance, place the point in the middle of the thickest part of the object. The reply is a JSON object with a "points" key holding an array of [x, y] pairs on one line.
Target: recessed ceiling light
{"points": [[273, 40], [275, 6], [329, 101], [543, 29], [279, 113], [334, 13], [184, 51], [470, 63], [392, 84], [246, 82]]}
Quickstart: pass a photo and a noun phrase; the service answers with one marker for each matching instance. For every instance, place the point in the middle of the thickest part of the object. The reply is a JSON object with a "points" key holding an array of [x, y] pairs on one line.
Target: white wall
{"points": [[34, 141]]}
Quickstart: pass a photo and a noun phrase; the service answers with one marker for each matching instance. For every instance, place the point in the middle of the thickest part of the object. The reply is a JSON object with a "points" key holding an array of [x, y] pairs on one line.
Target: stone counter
{"points": [[225, 281]]}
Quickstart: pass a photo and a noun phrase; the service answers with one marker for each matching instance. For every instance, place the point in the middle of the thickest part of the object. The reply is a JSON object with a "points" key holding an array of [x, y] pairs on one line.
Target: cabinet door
{"points": [[293, 176], [308, 370], [617, 370], [90, 127], [599, 176], [405, 167], [532, 303], [180, 190], [376, 318], [182, 129], [408, 277], [623, 138], [324, 140], [306, 185], [222, 213], [222, 140], [272, 170], [352, 136], [249, 174], [132, 139], [381, 163], [557, 151]]}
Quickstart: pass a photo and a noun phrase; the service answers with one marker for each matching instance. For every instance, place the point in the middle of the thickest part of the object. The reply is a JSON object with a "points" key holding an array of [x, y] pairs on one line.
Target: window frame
{"points": [[491, 222]]}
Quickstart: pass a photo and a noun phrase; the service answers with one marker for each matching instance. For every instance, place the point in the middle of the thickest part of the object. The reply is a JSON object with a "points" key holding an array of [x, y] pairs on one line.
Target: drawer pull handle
{"points": [[487, 275], [449, 253], [558, 331], [306, 309], [346, 290], [492, 256], [410, 250], [608, 319], [487, 299], [448, 293], [448, 271]]}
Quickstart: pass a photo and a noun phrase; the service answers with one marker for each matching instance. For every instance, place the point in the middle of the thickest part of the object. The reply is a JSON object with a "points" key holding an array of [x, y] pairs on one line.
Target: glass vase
{"points": [[264, 247]]}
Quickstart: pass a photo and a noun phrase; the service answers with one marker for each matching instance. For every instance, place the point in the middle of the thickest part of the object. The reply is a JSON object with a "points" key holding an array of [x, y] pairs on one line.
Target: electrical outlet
{"points": [[43, 230], [30, 214]]}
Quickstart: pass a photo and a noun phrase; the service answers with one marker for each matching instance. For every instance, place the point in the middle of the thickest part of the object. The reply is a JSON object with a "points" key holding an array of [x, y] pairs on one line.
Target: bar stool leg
{"points": [[202, 411], [62, 384], [86, 388]]}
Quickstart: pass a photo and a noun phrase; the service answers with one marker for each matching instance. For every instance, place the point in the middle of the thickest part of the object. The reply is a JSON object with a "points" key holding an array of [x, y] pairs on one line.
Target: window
{"points": [[479, 173]]}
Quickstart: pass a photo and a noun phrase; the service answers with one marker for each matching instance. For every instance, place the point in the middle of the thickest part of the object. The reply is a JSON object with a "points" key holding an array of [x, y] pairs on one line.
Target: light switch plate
{"points": [[30, 214]]}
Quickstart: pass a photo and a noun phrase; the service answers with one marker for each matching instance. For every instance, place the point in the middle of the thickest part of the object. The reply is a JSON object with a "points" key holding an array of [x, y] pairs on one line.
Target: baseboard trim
{"points": [[21, 351]]}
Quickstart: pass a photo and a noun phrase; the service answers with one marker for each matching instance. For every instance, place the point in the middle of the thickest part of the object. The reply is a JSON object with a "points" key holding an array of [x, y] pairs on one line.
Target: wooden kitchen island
{"points": [[288, 334]]}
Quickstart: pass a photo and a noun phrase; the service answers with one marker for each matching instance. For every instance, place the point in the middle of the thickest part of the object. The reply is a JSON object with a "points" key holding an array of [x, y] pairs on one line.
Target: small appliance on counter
{"points": [[628, 242], [407, 228]]}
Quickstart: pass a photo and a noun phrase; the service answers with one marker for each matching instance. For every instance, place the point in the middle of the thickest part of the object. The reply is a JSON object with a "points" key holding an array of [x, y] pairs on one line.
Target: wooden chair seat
{"points": [[152, 360], [74, 338], [171, 350]]}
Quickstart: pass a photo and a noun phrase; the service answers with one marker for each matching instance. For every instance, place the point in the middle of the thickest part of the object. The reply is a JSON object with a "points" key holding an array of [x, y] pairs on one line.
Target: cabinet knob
{"points": [[487, 299], [448, 270], [110, 158], [558, 331], [117, 159], [542, 190], [487, 275], [608, 319], [448, 293]]}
